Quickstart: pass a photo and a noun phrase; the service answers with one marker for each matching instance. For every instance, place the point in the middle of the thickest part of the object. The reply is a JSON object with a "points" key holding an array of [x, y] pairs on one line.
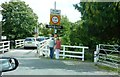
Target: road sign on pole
{"points": [[55, 17]]}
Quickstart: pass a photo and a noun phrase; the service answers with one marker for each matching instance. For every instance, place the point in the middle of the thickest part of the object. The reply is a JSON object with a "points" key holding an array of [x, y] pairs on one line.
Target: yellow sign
{"points": [[55, 17]]}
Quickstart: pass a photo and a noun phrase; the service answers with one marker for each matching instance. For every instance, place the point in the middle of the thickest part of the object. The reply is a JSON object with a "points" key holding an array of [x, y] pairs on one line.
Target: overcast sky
{"points": [[42, 8]]}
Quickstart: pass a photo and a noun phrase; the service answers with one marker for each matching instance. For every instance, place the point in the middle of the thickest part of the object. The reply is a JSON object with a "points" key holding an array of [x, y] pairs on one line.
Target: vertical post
{"points": [[83, 51], [45, 49], [95, 54], [8, 46], [63, 52], [22, 42], [40, 49], [3, 48], [15, 44], [55, 30]]}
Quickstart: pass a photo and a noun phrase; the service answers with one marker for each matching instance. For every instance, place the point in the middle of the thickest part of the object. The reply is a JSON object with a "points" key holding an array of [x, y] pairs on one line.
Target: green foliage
{"points": [[109, 69], [65, 32], [101, 22], [45, 31], [19, 20]]}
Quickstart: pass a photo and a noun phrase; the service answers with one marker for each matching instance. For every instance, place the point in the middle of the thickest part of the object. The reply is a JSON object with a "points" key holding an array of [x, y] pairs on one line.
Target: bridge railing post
{"points": [[83, 51], [19, 43], [46, 52], [96, 56], [3, 47], [40, 50], [63, 52], [8, 46]]}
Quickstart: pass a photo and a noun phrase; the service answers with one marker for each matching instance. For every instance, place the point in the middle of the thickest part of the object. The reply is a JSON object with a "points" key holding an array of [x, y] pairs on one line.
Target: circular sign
{"points": [[55, 19]]}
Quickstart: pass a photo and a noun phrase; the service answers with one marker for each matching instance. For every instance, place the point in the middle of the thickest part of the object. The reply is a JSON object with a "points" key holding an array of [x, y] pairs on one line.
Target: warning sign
{"points": [[55, 17]]}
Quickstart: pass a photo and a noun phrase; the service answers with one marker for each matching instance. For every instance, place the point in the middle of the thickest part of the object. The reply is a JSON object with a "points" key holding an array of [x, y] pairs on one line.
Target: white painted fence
{"points": [[4, 46], [74, 54], [43, 49], [107, 55], [19, 43]]}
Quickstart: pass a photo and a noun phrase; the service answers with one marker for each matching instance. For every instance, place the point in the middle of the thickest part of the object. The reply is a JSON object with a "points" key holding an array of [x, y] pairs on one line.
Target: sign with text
{"points": [[53, 26], [53, 11], [55, 17]]}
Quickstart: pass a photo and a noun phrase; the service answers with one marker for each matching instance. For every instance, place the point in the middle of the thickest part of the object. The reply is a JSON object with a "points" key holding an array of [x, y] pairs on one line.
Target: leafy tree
{"points": [[19, 20], [65, 32], [45, 31], [77, 34], [101, 21]]}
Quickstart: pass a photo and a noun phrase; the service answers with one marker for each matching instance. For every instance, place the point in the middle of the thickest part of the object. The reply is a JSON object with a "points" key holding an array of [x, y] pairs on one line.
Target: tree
{"points": [[43, 31], [65, 32], [101, 21], [78, 35], [19, 20]]}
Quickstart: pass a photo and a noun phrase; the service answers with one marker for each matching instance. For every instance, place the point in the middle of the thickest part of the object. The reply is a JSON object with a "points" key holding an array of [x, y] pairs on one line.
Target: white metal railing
{"points": [[19, 43], [4, 46], [107, 55], [43, 49]]}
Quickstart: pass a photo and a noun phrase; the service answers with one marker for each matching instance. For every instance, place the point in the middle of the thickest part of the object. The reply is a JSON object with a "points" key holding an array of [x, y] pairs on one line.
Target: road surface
{"points": [[31, 64]]}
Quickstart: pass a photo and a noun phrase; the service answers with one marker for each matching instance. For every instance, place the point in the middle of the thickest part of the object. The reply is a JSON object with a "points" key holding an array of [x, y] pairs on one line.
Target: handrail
{"points": [[43, 49], [75, 46], [19, 43], [4, 46], [72, 53]]}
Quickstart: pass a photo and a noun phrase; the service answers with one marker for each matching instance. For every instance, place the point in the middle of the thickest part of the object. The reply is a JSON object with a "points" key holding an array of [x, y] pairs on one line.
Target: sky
{"points": [[42, 9]]}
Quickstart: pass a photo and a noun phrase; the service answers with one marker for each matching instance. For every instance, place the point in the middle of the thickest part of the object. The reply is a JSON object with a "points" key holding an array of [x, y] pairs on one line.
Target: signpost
{"points": [[55, 17]]}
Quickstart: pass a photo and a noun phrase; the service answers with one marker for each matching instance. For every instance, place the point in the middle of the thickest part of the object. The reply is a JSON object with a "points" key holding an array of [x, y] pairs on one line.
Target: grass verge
{"points": [[109, 69]]}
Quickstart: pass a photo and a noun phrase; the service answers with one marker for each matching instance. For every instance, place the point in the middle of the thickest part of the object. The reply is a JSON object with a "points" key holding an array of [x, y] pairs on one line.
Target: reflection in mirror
{"points": [[8, 64]]}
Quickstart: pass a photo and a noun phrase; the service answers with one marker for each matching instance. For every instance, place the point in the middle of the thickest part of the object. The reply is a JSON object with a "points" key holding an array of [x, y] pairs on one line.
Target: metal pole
{"points": [[55, 5], [55, 30]]}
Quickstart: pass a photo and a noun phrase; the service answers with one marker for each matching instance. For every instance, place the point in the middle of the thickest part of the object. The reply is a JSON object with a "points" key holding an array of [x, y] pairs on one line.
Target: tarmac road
{"points": [[30, 64]]}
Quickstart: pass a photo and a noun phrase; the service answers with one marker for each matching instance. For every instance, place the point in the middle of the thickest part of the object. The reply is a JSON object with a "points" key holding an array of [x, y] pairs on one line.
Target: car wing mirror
{"points": [[8, 64]]}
